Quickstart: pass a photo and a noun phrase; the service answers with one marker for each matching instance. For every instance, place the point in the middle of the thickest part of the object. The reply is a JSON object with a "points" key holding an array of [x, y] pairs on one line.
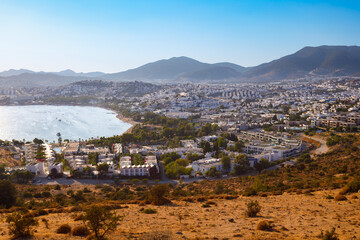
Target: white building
{"points": [[205, 164]]}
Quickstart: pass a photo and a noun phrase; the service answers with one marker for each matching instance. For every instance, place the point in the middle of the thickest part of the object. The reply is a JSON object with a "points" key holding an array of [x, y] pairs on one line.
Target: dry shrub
{"points": [[211, 203], [81, 230], [354, 197], [187, 199], [230, 197], [264, 226], [252, 208], [201, 199], [340, 198], [63, 229], [159, 235]]}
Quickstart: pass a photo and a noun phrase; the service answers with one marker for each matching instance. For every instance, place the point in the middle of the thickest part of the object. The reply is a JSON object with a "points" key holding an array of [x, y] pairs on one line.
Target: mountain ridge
{"points": [[324, 61]]}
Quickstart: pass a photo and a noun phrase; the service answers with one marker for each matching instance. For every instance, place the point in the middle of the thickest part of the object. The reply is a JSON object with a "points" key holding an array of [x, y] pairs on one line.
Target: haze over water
{"points": [[44, 122]]}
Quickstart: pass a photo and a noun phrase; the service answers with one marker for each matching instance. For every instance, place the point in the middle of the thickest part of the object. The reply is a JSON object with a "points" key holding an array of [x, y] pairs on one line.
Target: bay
{"points": [[45, 122]]}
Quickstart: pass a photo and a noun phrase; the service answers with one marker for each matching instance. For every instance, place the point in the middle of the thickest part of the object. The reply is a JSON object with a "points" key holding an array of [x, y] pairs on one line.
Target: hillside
{"points": [[309, 61], [177, 68], [37, 80], [323, 61]]}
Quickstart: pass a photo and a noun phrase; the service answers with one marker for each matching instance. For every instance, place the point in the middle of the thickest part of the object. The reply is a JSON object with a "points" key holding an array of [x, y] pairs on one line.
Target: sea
{"points": [[50, 122]]}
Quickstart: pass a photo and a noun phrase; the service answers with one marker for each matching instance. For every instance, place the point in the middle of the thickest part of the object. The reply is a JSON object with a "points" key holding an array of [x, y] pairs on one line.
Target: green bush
{"points": [[252, 208]]}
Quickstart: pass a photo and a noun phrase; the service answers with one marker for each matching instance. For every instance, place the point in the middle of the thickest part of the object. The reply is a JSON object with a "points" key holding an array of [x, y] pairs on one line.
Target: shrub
{"points": [[340, 198], [252, 208], [264, 226], [57, 187], [81, 230], [37, 195], [354, 186], [45, 194], [27, 195], [157, 194], [64, 229], [329, 235], [329, 196], [101, 220], [8, 193], [148, 210], [20, 224], [205, 205], [249, 192]]}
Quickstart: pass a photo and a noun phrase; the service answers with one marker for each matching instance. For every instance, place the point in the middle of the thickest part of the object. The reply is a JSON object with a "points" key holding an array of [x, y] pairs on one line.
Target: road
{"points": [[320, 150]]}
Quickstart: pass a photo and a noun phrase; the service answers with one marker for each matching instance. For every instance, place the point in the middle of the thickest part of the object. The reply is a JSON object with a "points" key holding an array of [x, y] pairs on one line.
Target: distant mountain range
{"points": [[309, 61]]}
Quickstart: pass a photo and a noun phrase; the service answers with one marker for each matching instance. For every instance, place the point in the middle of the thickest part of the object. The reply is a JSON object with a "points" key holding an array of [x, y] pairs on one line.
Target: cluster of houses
{"points": [[77, 156]]}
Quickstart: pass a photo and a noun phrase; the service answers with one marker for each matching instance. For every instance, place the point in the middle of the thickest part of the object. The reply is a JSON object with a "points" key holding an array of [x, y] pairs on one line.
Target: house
{"points": [[204, 165]]}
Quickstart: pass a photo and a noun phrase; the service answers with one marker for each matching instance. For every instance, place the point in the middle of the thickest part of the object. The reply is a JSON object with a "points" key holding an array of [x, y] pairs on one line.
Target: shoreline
{"points": [[127, 120]]}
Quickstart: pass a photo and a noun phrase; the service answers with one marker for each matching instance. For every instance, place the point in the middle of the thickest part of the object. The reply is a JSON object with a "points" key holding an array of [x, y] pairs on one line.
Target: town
{"points": [[225, 130]]}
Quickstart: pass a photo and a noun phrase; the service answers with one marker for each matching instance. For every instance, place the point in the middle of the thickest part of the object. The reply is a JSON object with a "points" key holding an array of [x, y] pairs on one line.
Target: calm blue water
{"points": [[44, 122]]}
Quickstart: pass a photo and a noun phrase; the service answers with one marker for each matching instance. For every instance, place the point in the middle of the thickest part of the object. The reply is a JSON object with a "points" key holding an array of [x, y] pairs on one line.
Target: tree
{"points": [[137, 159], [206, 147], [20, 224], [22, 176], [212, 172], [238, 146], [93, 158], [157, 194], [262, 164], [241, 164], [8, 193], [101, 220], [226, 163], [102, 168]]}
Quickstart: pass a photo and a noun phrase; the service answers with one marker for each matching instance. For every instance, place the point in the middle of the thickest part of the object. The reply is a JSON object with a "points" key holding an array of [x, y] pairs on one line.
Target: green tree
{"points": [[206, 147], [226, 163], [241, 164], [22, 176], [262, 164], [102, 168], [8, 193], [101, 221], [93, 158]]}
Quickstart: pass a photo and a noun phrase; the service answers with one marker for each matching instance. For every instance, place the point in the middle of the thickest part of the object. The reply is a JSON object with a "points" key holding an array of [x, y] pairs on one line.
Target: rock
{"points": [[231, 220]]}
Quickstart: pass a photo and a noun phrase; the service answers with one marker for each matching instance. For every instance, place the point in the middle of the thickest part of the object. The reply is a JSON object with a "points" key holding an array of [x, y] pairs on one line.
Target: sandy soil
{"points": [[292, 216]]}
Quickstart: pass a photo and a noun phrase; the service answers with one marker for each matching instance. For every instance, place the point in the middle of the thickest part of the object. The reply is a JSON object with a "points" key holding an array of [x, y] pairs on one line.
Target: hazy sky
{"points": [[115, 35]]}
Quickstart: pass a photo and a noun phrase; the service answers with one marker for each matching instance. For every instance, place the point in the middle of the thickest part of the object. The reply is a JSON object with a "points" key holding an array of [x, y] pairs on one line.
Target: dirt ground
{"points": [[293, 217]]}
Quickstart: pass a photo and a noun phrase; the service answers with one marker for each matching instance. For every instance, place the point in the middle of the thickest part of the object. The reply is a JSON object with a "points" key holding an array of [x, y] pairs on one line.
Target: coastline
{"points": [[127, 120]]}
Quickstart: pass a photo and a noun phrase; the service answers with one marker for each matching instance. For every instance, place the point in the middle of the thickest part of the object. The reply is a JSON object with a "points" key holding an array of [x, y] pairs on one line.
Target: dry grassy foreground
{"points": [[293, 217]]}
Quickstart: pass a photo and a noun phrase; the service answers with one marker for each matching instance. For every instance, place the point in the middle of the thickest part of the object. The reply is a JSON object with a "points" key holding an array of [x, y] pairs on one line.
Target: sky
{"points": [[116, 35]]}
